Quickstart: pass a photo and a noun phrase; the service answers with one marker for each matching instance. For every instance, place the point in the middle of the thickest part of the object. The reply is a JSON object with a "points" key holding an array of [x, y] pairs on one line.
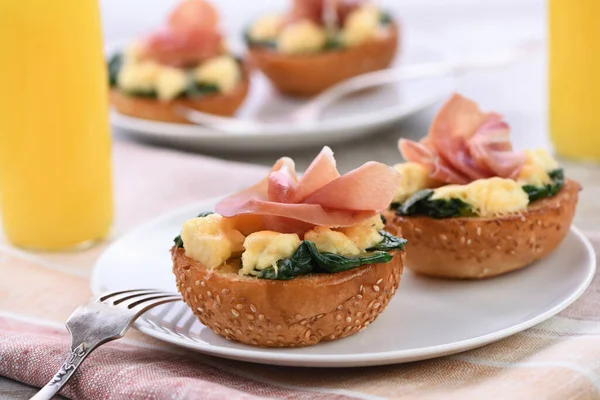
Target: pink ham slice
{"points": [[465, 144], [326, 199], [190, 37], [314, 10]]}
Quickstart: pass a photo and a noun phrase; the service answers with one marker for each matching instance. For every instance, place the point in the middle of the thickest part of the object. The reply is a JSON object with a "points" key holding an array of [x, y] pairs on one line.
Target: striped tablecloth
{"points": [[558, 359]]}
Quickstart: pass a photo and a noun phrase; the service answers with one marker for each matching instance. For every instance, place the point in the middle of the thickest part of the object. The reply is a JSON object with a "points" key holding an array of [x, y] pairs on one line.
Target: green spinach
{"points": [[300, 263], [332, 263], [178, 241], [389, 242], [421, 203], [114, 66], [547, 190]]}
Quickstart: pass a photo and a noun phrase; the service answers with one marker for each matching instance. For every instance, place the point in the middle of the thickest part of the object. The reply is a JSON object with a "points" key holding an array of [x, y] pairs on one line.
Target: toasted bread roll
{"points": [[298, 312], [474, 248], [309, 74]]}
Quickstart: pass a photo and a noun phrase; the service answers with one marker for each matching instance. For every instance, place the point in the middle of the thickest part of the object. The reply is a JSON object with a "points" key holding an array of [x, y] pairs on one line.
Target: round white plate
{"points": [[348, 118], [427, 318]]}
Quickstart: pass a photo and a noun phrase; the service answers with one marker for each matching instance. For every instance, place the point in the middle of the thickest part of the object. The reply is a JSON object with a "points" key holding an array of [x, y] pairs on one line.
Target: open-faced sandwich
{"points": [[184, 63], [319, 43], [472, 207], [293, 261]]}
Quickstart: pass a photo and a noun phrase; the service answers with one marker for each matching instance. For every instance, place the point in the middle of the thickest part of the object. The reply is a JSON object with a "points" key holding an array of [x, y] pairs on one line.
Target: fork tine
{"points": [[140, 302], [109, 295]]}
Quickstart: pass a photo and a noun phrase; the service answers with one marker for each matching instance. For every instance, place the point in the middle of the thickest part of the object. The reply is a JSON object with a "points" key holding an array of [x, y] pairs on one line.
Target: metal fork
{"points": [[102, 320]]}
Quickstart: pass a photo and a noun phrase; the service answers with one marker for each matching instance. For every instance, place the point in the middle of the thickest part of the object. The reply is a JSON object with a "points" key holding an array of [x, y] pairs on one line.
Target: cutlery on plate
{"points": [[101, 320], [310, 112]]}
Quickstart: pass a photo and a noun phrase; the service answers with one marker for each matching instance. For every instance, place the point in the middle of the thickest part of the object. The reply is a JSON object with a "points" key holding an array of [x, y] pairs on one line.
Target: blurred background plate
{"points": [[350, 117]]}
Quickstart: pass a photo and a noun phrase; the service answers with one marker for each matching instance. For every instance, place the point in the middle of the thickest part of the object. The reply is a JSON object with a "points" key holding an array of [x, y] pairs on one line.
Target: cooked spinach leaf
{"points": [[330, 262], [389, 242], [308, 259], [300, 263], [271, 44], [114, 66], [198, 89], [178, 241], [385, 18], [421, 203], [334, 43], [548, 190]]}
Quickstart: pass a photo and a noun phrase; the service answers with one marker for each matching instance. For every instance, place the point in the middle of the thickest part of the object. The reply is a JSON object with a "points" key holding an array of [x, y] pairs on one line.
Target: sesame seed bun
{"points": [[152, 109], [299, 312], [309, 74], [475, 248]]}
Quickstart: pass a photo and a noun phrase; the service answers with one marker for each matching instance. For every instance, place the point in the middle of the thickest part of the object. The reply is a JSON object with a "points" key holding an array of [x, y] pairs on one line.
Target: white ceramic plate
{"points": [[427, 318], [351, 117]]}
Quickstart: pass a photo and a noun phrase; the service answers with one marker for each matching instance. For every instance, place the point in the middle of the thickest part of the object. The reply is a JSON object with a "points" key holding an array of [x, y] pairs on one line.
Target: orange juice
{"points": [[574, 77], [55, 169]]}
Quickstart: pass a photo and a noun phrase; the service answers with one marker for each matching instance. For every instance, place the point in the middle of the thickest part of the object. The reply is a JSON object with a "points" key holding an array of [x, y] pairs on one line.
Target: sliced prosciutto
{"points": [[320, 197], [465, 144], [190, 37], [317, 10]]}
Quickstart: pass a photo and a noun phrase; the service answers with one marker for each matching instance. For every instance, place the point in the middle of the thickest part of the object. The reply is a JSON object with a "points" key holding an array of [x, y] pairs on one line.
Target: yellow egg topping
{"points": [[265, 248], [330, 241], [361, 25], [488, 197], [537, 165], [210, 241], [366, 234], [415, 177], [266, 28], [223, 72], [301, 38]]}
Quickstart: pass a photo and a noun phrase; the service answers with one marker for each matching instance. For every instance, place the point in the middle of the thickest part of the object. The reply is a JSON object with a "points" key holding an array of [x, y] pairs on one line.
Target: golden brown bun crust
{"points": [[307, 75], [219, 104], [299, 312], [472, 248]]}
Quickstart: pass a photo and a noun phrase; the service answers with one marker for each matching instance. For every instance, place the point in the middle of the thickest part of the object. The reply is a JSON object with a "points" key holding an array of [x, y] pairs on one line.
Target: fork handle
{"points": [[74, 359]]}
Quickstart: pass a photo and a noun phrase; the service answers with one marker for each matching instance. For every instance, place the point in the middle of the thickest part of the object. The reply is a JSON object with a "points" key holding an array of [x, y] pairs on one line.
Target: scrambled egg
{"points": [[302, 37], [361, 25], [222, 71], [208, 240], [170, 83], [265, 248], [331, 241], [488, 197], [415, 177], [366, 234], [139, 77], [266, 28], [535, 171]]}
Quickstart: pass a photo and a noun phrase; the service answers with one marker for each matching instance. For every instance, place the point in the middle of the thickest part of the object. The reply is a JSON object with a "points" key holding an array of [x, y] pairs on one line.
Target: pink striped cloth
{"points": [[558, 359]]}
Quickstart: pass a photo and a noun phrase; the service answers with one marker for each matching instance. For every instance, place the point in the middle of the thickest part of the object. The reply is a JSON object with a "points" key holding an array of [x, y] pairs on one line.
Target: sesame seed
{"points": [[360, 289], [218, 299], [298, 317], [269, 342], [189, 289], [371, 303], [280, 338], [278, 327], [418, 230], [443, 237], [523, 219], [261, 317], [253, 341], [320, 332], [338, 317], [359, 296], [239, 306], [332, 336], [469, 242], [340, 307], [376, 288], [358, 314], [250, 316], [308, 333], [376, 305], [303, 322], [200, 309], [238, 331], [228, 331], [379, 281], [209, 294], [319, 316], [225, 292], [252, 308], [235, 313], [479, 230], [202, 284], [197, 283], [348, 319], [346, 329]]}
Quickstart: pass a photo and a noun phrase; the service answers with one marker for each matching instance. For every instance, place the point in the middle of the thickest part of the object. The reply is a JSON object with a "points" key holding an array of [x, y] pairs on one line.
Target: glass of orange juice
{"points": [[574, 77], [55, 166]]}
